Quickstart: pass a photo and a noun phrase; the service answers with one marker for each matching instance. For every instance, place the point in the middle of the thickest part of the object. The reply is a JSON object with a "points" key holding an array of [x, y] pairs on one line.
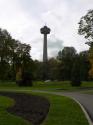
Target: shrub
{"points": [[75, 82], [26, 79]]}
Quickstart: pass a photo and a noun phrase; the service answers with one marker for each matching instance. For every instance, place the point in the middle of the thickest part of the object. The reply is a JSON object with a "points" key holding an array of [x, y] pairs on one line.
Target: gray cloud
{"points": [[54, 45]]}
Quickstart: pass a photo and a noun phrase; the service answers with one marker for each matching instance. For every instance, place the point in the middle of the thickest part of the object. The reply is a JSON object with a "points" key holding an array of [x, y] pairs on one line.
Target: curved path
{"points": [[85, 100]]}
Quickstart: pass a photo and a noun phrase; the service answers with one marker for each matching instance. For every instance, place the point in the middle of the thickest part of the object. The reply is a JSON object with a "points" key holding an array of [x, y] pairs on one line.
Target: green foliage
{"points": [[84, 65], [66, 53], [13, 55], [73, 66], [63, 67], [75, 75], [91, 62], [86, 29], [86, 26], [53, 68], [38, 73], [66, 57]]}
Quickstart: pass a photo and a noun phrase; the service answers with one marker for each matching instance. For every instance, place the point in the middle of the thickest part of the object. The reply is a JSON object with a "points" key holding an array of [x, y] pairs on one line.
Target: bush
{"points": [[26, 79], [75, 82]]}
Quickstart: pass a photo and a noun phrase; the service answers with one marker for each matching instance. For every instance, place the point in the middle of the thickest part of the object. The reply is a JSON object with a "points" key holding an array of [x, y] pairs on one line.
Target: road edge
{"points": [[84, 110]]}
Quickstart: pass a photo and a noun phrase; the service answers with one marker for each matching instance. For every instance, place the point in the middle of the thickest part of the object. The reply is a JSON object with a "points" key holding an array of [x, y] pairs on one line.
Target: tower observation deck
{"points": [[45, 30]]}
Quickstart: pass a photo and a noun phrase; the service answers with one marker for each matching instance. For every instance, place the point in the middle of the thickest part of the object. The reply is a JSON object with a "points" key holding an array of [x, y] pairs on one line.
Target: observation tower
{"points": [[45, 31]]}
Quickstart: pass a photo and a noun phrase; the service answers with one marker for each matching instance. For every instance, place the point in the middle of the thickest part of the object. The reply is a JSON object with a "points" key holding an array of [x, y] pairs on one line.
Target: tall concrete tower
{"points": [[45, 30]]}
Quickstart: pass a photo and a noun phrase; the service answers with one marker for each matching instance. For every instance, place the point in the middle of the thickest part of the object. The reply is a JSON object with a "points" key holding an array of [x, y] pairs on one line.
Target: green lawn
{"points": [[63, 111], [49, 86], [88, 92], [61, 86]]}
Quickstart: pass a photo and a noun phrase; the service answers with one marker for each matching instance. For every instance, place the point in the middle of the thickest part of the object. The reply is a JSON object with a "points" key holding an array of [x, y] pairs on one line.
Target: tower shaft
{"points": [[45, 57], [45, 30]]}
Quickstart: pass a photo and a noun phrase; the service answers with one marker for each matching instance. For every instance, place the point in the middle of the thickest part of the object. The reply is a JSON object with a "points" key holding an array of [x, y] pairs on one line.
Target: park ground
{"points": [[63, 110]]}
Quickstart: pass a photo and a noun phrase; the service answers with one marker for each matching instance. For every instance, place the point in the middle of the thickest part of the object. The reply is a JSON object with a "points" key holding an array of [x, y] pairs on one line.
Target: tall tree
{"points": [[53, 68], [5, 42], [38, 73], [66, 56], [14, 57], [86, 29], [86, 26], [84, 65], [23, 64], [75, 72]]}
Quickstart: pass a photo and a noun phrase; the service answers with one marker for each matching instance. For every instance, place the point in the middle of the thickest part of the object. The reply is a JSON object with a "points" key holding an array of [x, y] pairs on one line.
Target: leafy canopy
{"points": [[86, 27]]}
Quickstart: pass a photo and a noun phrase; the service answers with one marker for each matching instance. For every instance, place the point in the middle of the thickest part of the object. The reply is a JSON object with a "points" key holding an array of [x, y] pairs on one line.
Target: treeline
{"points": [[17, 65], [68, 65]]}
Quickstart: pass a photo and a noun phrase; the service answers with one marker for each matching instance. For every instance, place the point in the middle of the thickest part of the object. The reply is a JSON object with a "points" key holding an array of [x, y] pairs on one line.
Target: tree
{"points": [[59, 57], [80, 69], [15, 59], [53, 68], [22, 62], [84, 65], [75, 72], [66, 57], [91, 62], [86, 26], [5, 42], [86, 29], [38, 70]]}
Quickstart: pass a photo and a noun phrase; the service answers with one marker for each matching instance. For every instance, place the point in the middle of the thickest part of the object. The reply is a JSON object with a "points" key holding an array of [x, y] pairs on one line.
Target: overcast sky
{"points": [[24, 18]]}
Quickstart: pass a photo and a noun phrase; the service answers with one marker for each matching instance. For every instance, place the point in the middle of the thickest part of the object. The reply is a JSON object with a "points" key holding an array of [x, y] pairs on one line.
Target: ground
{"points": [[62, 110]]}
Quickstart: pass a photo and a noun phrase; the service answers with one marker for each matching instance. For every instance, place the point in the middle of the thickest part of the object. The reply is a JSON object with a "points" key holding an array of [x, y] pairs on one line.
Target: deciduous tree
{"points": [[86, 29]]}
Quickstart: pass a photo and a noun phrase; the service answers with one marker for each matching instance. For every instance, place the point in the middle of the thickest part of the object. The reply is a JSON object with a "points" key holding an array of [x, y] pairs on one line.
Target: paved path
{"points": [[85, 100]]}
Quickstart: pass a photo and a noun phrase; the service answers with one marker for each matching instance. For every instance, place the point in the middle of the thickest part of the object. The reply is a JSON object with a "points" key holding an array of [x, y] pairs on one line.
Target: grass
{"points": [[49, 86], [63, 111], [88, 92], [5, 117], [61, 86]]}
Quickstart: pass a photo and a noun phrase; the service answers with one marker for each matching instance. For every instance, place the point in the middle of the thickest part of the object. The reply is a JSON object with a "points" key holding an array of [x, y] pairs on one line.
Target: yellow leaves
{"points": [[91, 62], [19, 74]]}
